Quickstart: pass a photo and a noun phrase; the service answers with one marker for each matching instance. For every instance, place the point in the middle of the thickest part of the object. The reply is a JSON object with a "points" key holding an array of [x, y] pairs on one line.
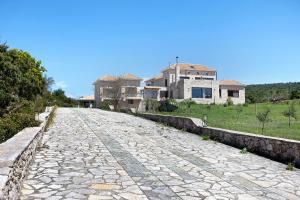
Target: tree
{"points": [[49, 81], [295, 94], [59, 98], [189, 104], [239, 110], [263, 118], [31, 81], [21, 77], [116, 92], [290, 113], [22, 89]]}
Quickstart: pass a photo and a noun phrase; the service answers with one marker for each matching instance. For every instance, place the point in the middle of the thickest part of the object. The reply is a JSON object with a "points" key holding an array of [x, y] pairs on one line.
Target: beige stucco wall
{"points": [[184, 91], [240, 100], [188, 84], [129, 87]]}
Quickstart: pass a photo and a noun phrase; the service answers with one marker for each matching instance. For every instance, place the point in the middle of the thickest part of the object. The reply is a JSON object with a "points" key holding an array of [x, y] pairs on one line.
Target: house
{"points": [[193, 81], [87, 101], [154, 88], [126, 90]]}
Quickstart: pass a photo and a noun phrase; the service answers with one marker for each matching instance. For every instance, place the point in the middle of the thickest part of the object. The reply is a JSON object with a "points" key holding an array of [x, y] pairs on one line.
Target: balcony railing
{"points": [[133, 95]]}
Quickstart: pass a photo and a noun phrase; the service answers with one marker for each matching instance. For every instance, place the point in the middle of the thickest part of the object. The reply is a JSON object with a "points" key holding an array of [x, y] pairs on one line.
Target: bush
{"points": [[152, 105], [205, 137], [168, 105], [13, 123], [188, 104], [229, 101], [104, 105], [5, 99]]}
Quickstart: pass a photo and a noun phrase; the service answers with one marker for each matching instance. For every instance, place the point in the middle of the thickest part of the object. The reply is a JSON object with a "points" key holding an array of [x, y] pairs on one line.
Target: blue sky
{"points": [[254, 41]]}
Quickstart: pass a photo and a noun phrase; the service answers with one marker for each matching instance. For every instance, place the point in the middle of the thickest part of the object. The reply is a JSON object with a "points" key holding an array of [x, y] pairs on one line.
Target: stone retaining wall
{"points": [[282, 150], [15, 157]]}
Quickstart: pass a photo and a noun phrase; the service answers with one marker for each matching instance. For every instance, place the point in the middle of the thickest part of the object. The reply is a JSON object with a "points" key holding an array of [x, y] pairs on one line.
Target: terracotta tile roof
{"points": [[187, 66], [230, 82], [152, 87], [114, 78], [160, 76], [108, 78], [130, 77]]}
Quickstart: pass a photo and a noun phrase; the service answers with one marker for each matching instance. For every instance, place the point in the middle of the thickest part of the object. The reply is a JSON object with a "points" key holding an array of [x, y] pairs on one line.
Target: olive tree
{"points": [[116, 92], [263, 118], [290, 113]]}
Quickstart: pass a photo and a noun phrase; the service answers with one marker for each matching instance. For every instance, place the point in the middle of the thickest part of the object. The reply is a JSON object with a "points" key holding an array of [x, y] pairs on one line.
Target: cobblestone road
{"points": [[93, 154]]}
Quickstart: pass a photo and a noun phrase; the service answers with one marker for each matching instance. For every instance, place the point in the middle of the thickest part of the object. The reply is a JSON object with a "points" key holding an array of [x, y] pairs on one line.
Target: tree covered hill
{"points": [[272, 92]]}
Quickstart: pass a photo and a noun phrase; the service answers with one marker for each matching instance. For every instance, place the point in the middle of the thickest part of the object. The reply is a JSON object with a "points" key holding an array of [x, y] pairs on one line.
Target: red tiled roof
{"points": [[130, 77], [160, 76], [230, 82], [187, 66]]}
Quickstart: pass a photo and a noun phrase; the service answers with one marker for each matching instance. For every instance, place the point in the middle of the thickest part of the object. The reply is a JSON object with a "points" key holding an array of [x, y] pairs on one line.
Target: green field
{"points": [[227, 117]]}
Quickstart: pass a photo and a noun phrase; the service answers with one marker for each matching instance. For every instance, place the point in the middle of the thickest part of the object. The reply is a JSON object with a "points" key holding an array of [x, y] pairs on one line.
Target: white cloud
{"points": [[60, 85]]}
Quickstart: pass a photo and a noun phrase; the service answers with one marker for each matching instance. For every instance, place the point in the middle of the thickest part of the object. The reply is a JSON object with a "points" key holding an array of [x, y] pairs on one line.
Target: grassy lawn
{"points": [[227, 117]]}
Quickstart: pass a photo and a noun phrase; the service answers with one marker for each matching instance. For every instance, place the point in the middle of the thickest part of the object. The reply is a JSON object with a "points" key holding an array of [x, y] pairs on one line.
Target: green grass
{"points": [[226, 117]]}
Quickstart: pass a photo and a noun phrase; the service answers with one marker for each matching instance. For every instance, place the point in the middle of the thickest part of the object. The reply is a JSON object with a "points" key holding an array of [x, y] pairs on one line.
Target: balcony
{"points": [[137, 95]]}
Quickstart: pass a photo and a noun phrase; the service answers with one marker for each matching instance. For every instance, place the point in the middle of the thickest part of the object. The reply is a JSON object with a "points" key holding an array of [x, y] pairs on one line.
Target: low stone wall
{"points": [[15, 157], [188, 124], [278, 149]]}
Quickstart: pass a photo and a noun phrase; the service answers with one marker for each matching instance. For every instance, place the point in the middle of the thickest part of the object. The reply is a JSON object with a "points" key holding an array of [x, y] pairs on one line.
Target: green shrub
{"points": [[244, 151], [205, 137], [229, 102], [290, 166], [152, 105], [188, 103], [168, 106], [13, 123], [104, 105]]}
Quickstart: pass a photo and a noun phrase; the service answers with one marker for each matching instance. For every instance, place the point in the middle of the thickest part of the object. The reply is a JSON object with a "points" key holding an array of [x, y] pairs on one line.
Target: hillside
{"points": [[272, 92]]}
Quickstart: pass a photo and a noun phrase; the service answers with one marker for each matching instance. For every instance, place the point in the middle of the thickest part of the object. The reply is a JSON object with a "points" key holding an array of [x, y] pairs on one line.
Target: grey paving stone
{"points": [[94, 154]]}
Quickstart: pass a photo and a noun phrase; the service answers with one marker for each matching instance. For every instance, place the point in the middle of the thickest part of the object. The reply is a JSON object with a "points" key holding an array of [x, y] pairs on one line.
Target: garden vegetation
{"points": [[280, 119], [25, 91]]}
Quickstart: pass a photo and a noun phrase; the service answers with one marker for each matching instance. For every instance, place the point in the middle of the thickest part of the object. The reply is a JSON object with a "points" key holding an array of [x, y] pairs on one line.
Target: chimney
{"points": [[177, 72]]}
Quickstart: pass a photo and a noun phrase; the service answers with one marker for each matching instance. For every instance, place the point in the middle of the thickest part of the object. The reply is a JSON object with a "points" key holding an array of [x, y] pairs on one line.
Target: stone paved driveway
{"points": [[94, 154]]}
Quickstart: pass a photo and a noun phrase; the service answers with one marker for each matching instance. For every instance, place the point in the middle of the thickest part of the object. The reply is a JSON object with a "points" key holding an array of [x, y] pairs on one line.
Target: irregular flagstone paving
{"points": [[95, 154]]}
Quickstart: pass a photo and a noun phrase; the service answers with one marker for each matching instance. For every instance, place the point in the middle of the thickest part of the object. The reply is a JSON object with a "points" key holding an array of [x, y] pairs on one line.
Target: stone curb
{"points": [[15, 156], [278, 149]]}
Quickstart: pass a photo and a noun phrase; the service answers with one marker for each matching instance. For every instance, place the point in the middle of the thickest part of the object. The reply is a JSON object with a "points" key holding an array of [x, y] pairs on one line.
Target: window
{"points": [[184, 77], [130, 101], [198, 92], [166, 82], [233, 93], [220, 93], [198, 73]]}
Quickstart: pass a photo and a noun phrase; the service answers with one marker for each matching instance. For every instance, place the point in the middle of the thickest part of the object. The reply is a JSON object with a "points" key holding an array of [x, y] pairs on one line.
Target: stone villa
{"points": [[178, 81], [126, 88], [193, 81]]}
